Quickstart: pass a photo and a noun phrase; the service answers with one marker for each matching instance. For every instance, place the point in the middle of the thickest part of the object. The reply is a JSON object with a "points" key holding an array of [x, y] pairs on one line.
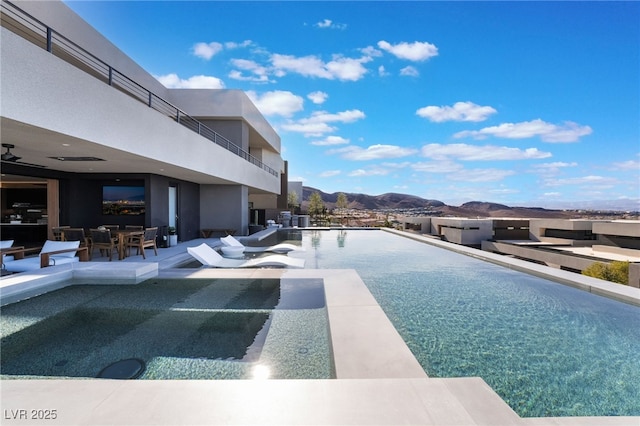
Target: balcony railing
{"points": [[30, 28]]}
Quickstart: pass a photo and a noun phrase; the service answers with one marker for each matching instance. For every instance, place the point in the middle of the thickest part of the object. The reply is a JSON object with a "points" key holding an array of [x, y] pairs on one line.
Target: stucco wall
{"points": [[38, 88], [65, 21], [235, 130], [225, 206], [225, 104]]}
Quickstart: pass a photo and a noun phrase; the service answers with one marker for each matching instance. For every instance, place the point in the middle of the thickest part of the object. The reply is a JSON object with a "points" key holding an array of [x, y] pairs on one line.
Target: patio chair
{"points": [[231, 241], [52, 253], [134, 228], [101, 239], [211, 258], [114, 229], [75, 234], [142, 241], [57, 232]]}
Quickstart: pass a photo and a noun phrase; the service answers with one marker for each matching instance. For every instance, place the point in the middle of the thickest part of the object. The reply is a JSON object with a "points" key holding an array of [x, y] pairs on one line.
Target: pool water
{"points": [[180, 329], [547, 349]]}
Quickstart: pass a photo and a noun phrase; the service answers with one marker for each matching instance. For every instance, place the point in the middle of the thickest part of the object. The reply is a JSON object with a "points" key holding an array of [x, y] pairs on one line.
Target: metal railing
{"points": [[30, 28]]}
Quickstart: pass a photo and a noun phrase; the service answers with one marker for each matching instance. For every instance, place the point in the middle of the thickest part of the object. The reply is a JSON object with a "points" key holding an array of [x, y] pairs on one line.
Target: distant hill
{"points": [[392, 201], [371, 202]]}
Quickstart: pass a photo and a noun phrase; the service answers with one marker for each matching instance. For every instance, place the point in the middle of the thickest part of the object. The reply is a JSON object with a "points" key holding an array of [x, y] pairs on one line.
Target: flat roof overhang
{"points": [[39, 147]]}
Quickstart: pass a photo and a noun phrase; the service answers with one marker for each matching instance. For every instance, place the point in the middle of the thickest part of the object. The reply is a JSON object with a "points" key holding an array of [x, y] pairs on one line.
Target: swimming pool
{"points": [[547, 349], [171, 329]]}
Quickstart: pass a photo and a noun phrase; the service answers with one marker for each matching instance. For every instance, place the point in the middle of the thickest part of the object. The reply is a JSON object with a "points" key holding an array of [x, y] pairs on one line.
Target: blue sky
{"points": [[521, 103]]}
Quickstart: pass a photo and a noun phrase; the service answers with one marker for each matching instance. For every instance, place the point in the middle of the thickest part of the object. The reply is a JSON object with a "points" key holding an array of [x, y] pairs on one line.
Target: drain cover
{"points": [[124, 369]]}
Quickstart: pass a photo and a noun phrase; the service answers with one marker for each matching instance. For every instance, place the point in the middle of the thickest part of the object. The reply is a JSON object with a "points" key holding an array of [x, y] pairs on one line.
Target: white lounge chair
{"points": [[56, 253], [4, 245], [209, 257], [231, 241]]}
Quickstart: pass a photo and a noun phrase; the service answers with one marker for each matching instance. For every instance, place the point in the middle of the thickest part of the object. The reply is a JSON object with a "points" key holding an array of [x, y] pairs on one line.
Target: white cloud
{"points": [[503, 191], [382, 72], [553, 168], [324, 24], [416, 51], [277, 102], [566, 132], [590, 180], [328, 23], [317, 123], [309, 128], [371, 51], [234, 45], [309, 66], [260, 73], [348, 116], [437, 167], [331, 140], [555, 165], [402, 165], [552, 194], [172, 81], [627, 165], [341, 68], [237, 75], [317, 97], [409, 71], [206, 50], [330, 173], [466, 152], [460, 111], [347, 69], [480, 175], [374, 152], [374, 171]]}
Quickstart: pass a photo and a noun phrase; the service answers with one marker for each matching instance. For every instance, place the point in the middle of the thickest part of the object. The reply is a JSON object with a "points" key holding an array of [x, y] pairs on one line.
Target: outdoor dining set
{"points": [[110, 238], [76, 245]]}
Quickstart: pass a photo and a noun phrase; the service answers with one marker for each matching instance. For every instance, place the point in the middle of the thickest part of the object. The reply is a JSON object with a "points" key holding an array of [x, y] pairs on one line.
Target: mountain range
{"points": [[395, 201]]}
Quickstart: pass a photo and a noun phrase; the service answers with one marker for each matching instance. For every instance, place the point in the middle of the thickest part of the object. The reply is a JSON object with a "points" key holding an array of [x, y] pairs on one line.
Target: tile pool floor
{"points": [[378, 379]]}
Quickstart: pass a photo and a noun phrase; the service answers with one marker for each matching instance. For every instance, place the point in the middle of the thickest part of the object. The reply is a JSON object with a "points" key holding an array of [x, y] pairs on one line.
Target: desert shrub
{"points": [[616, 271]]}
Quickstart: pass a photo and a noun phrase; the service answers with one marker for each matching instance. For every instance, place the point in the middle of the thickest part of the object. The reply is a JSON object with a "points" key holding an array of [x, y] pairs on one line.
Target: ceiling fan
{"points": [[10, 157]]}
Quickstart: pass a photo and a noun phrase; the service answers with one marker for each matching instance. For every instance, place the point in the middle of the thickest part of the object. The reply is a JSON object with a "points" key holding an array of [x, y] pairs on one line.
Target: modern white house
{"points": [[81, 121], [567, 244]]}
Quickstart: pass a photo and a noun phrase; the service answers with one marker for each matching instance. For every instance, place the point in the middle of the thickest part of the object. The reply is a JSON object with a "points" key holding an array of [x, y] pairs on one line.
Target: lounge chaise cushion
{"points": [[209, 257], [5, 245], [50, 246], [33, 263], [231, 241]]}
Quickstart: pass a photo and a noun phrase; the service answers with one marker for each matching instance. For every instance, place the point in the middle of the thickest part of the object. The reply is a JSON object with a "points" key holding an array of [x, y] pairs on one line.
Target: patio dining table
{"points": [[123, 236]]}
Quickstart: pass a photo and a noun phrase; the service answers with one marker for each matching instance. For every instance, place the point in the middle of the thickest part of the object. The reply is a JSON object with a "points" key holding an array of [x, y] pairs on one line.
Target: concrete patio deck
{"points": [[378, 381]]}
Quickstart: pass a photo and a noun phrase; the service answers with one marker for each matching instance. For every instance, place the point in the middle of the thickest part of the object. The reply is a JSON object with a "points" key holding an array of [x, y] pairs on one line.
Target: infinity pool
{"points": [[547, 349]]}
